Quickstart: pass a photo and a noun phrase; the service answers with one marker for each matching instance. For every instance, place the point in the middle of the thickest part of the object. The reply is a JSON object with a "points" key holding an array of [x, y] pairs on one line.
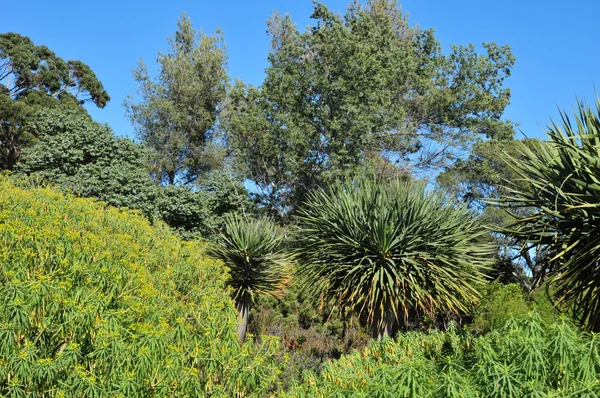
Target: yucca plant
{"points": [[252, 250], [560, 184], [390, 251]]}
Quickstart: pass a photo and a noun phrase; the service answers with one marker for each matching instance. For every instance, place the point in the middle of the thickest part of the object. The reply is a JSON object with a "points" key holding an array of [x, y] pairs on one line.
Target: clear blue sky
{"points": [[555, 42]]}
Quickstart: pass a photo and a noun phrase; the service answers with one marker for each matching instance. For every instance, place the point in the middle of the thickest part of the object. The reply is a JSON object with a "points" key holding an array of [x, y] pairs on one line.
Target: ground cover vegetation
{"points": [[363, 223], [97, 302]]}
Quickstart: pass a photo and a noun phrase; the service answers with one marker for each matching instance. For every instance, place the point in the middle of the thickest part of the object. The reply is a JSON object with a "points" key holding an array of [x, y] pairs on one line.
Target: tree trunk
{"points": [[383, 324], [243, 307]]}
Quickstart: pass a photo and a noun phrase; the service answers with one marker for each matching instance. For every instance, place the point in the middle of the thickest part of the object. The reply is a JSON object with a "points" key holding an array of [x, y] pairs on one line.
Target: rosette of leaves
{"points": [[252, 250], [559, 184], [390, 251]]}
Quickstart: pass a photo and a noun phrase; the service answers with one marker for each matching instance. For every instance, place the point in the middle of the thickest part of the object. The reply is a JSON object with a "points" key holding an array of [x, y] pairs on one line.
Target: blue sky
{"points": [[554, 41]]}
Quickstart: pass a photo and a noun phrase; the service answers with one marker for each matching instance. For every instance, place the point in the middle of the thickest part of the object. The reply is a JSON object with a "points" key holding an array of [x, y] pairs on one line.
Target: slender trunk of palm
{"points": [[383, 324], [243, 307]]}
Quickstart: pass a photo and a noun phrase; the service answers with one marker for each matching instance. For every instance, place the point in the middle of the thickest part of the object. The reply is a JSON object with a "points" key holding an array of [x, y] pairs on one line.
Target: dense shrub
{"points": [[96, 302], [500, 302], [85, 158], [525, 358]]}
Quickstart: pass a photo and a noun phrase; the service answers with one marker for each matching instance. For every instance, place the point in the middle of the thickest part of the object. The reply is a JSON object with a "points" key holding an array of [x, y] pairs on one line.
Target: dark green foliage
{"points": [[33, 77], [84, 157], [366, 89], [252, 250], [525, 358], [558, 184], [176, 116], [390, 251], [200, 210]]}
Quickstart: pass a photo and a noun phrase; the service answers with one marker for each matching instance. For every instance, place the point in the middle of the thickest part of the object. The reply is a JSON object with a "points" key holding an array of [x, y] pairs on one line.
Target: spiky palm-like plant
{"points": [[560, 181], [251, 249], [391, 251]]}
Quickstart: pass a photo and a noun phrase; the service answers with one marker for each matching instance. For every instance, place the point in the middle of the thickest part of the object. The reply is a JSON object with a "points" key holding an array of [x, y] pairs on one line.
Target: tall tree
{"points": [[362, 89], [32, 76], [178, 110]]}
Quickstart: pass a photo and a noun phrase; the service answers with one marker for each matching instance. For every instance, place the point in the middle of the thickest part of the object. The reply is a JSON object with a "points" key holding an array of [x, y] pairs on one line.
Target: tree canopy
{"points": [[175, 118], [353, 90], [34, 76]]}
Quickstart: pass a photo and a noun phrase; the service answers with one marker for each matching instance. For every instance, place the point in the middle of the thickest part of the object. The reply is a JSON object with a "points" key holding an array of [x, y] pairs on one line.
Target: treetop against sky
{"points": [[552, 41]]}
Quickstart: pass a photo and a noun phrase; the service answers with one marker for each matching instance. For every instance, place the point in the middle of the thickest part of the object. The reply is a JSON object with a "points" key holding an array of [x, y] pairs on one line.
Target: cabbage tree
{"points": [[252, 250], [391, 251], [559, 183]]}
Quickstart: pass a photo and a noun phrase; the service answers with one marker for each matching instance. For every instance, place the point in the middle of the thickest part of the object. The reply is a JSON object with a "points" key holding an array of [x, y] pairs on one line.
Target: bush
{"points": [[502, 302], [96, 302], [498, 304], [523, 359], [83, 157]]}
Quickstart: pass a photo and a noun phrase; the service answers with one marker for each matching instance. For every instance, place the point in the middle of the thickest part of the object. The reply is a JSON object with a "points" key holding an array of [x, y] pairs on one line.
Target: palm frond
{"points": [[251, 249]]}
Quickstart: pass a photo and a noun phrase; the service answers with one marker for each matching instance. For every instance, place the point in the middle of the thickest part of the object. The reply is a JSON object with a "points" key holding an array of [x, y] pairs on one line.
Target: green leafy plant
{"points": [[498, 304], [524, 358], [96, 302], [390, 251], [558, 181], [252, 250]]}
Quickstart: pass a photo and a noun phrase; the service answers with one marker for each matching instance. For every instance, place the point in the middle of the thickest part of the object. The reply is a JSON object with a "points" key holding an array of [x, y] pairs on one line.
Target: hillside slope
{"points": [[94, 301]]}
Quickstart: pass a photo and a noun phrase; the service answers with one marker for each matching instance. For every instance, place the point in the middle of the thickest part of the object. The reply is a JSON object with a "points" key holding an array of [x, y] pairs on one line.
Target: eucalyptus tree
{"points": [[176, 115], [558, 183], [390, 251], [32, 77], [363, 89], [252, 250]]}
